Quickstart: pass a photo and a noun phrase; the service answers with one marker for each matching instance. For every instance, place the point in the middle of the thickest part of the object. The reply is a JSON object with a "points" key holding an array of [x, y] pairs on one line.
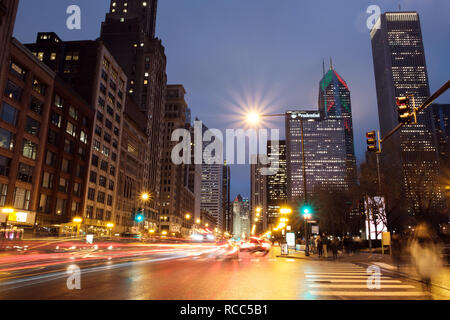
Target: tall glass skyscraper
{"points": [[325, 154], [409, 158], [335, 103], [328, 141]]}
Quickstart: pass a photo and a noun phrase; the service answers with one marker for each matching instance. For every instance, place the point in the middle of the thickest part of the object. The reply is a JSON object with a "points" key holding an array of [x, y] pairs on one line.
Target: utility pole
{"points": [[368, 224]]}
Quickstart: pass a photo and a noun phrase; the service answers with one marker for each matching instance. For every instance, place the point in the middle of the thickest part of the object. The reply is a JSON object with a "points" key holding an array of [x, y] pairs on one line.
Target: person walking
{"points": [[325, 245], [397, 250], [319, 246], [334, 248]]}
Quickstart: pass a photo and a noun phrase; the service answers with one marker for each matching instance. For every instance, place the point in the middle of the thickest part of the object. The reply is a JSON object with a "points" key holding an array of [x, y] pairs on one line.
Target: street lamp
{"points": [[77, 221], [110, 226]]}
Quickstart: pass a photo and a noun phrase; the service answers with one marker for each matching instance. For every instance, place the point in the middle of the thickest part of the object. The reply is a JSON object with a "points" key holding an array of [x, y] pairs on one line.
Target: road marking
{"points": [[360, 286], [340, 277], [272, 260], [255, 260], [338, 273], [354, 281], [369, 293]]}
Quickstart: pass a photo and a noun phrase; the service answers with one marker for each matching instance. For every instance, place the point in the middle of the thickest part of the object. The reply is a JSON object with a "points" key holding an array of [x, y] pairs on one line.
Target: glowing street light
{"points": [[285, 210], [198, 221], [187, 216], [253, 118], [77, 221], [145, 196], [7, 210]]}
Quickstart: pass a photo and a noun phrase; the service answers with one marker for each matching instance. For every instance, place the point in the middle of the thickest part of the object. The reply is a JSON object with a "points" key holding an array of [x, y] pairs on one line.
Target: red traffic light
{"points": [[402, 101]]}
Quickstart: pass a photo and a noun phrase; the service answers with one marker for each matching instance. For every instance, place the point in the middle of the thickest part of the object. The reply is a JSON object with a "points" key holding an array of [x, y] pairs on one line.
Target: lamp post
{"points": [[144, 197], [110, 226]]}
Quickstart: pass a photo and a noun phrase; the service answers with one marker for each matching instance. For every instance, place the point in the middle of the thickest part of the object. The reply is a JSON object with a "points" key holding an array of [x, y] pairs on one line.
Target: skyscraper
{"points": [[335, 103], [325, 154], [226, 201], [212, 188], [276, 183], [177, 199], [129, 33], [409, 157], [258, 191]]}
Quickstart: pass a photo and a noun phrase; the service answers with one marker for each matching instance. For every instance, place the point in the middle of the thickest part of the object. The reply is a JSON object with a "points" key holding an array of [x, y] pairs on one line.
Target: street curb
{"points": [[291, 257]]}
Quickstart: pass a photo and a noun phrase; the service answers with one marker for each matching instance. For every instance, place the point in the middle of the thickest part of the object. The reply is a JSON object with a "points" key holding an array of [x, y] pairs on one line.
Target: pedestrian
{"points": [[425, 255], [334, 248], [396, 250], [325, 246], [319, 246]]}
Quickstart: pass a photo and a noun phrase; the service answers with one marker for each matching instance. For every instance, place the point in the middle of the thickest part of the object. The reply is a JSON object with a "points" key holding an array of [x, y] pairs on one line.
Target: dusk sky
{"points": [[236, 54]]}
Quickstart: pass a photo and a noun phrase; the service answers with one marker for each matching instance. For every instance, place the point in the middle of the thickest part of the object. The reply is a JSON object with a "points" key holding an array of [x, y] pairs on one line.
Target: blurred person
{"points": [[319, 246], [397, 250], [335, 248], [425, 254], [325, 245]]}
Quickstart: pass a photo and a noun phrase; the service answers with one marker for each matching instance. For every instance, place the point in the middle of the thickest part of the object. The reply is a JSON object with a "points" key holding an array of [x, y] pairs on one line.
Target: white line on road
{"points": [[369, 293], [360, 286], [254, 260], [338, 273], [354, 281], [340, 277]]}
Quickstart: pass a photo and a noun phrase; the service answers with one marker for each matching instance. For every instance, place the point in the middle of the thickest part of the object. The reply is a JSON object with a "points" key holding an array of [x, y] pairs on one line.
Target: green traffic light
{"points": [[306, 209]]}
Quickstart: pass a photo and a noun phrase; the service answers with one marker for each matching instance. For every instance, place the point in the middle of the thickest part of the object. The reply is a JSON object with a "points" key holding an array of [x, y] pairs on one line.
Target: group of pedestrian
{"points": [[322, 243]]}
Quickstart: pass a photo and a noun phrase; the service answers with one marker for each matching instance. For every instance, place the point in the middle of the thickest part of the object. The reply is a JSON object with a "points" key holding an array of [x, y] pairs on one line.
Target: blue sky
{"points": [[231, 54]]}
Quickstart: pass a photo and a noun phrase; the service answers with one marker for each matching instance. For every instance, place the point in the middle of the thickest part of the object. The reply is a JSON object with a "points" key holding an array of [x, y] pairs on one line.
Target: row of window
{"points": [[99, 213], [101, 180], [101, 196]]}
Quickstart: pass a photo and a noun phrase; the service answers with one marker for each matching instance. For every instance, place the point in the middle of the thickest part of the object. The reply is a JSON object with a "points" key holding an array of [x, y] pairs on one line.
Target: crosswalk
{"points": [[348, 280]]}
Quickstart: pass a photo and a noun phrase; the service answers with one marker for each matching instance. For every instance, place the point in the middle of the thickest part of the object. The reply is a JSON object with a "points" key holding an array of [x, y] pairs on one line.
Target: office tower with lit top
{"points": [[129, 33], [335, 103], [400, 70]]}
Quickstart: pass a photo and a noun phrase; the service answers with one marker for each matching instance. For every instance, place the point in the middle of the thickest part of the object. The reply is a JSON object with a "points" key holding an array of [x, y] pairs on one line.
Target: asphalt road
{"points": [[200, 275]]}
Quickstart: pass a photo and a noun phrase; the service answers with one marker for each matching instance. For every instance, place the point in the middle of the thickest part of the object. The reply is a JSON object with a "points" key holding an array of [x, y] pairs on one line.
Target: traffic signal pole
{"points": [[424, 105]]}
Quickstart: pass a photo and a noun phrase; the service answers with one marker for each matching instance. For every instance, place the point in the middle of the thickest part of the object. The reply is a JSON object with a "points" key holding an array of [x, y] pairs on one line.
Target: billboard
{"points": [[375, 206], [290, 239]]}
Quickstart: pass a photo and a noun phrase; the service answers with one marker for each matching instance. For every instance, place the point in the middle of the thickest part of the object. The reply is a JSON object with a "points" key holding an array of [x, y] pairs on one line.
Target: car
{"points": [[255, 244], [228, 251]]}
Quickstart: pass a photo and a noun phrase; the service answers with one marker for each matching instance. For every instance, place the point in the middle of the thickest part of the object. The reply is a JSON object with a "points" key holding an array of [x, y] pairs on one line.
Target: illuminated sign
{"points": [[22, 217], [290, 239]]}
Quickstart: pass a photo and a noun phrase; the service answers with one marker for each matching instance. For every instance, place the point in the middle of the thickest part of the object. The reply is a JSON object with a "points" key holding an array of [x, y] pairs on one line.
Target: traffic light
{"points": [[139, 215], [306, 210], [372, 141], [362, 209], [404, 110]]}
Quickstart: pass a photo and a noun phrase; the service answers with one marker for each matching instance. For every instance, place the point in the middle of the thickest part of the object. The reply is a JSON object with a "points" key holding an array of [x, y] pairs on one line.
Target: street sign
{"points": [[315, 229], [90, 238]]}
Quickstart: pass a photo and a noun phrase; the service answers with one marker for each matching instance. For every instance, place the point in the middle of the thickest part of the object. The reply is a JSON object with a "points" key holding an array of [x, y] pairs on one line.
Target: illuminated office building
{"points": [[410, 155], [325, 154]]}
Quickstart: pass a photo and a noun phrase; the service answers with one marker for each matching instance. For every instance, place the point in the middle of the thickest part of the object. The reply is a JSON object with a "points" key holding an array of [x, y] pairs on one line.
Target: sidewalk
{"points": [[441, 280]]}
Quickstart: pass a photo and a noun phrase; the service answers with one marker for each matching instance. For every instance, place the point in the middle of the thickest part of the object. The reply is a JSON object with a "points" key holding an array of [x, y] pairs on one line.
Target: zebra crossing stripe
{"points": [[352, 281], [340, 277], [369, 293], [360, 286]]}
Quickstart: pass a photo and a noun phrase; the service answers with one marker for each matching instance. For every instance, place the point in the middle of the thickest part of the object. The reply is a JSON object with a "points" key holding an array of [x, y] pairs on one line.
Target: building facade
{"points": [[93, 72], [8, 11], [129, 33], [177, 199], [212, 187], [325, 154], [409, 160], [276, 183], [226, 201], [46, 135], [258, 199]]}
